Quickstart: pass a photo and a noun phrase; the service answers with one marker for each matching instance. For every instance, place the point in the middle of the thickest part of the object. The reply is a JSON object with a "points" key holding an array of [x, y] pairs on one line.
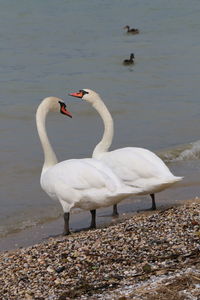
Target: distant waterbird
{"points": [[129, 61], [131, 30]]}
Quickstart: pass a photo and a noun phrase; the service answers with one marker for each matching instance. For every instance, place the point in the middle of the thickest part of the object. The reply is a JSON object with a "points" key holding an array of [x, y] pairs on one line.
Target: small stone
{"points": [[147, 268], [57, 281], [122, 298], [59, 270], [50, 270]]}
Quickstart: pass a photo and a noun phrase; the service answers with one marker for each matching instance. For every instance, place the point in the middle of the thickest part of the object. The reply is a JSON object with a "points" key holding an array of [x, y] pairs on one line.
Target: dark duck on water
{"points": [[129, 61], [131, 30]]}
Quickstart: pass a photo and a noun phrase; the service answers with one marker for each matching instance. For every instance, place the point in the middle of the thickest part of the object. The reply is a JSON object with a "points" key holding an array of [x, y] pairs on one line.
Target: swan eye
{"points": [[83, 92], [62, 104]]}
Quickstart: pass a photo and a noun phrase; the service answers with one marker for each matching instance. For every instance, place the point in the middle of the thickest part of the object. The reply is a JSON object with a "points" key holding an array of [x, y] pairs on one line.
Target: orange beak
{"points": [[64, 111], [77, 95]]}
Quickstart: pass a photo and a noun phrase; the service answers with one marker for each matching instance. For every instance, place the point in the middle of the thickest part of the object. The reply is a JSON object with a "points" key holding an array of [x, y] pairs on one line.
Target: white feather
{"points": [[77, 183], [136, 167]]}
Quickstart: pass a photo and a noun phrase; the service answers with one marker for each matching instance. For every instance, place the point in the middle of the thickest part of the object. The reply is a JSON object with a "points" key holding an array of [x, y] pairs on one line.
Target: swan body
{"points": [[76, 183], [80, 183], [148, 170], [135, 166]]}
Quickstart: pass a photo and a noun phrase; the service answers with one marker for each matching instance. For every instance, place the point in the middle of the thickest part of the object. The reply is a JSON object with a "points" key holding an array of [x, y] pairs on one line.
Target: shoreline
{"points": [[80, 219], [78, 223], [111, 262]]}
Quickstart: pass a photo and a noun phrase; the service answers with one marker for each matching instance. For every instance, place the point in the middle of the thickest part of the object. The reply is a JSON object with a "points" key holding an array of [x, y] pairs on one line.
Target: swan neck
{"points": [[106, 141], [50, 158]]}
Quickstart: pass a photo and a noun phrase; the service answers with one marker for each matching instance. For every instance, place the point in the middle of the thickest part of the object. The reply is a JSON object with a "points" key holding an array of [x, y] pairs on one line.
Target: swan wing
{"points": [[139, 167], [84, 183]]}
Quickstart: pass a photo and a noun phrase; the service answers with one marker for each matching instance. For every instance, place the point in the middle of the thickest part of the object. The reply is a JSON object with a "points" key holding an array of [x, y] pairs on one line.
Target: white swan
{"points": [[135, 166], [77, 183]]}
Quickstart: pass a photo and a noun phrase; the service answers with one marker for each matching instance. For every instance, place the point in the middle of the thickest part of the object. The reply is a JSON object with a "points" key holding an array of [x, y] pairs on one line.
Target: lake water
{"points": [[50, 48]]}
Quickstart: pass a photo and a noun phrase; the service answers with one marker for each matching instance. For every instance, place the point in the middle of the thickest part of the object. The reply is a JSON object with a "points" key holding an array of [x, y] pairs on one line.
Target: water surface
{"points": [[57, 47]]}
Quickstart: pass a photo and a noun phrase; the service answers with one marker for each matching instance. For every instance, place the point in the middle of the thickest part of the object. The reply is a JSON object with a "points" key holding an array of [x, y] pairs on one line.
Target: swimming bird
{"points": [[76, 183], [129, 61], [135, 166], [131, 30]]}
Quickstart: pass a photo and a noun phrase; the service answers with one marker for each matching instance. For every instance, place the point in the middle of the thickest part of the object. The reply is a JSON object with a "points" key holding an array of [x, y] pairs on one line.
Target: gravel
{"points": [[147, 256]]}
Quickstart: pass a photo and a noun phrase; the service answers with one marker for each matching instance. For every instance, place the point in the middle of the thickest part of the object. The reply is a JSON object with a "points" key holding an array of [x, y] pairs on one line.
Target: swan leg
{"points": [[93, 220], [153, 201], [66, 224], [115, 211]]}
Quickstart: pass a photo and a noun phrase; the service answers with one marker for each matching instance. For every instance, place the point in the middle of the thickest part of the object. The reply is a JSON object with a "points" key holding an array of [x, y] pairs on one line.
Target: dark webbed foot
{"points": [[66, 232]]}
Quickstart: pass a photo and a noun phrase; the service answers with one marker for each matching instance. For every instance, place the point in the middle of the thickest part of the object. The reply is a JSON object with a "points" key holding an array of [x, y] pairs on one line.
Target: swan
{"points": [[131, 30], [129, 61], [76, 183], [135, 166]]}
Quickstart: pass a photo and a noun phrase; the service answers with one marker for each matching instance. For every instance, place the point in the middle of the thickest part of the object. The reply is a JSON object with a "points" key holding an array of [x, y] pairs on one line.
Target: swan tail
{"points": [[172, 180], [160, 186], [178, 179]]}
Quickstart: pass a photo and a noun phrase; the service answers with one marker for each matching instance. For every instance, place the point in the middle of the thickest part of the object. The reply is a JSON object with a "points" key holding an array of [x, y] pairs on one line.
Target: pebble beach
{"points": [[152, 255]]}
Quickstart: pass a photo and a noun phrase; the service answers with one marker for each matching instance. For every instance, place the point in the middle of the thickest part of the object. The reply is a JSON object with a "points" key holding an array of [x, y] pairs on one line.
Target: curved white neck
{"points": [[50, 158], [107, 138]]}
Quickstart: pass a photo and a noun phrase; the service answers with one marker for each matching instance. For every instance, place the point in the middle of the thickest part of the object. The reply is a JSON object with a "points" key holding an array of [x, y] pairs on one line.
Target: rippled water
{"points": [[52, 48]]}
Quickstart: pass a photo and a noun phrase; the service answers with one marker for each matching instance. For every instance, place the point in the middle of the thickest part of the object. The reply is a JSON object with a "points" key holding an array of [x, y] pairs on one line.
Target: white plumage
{"points": [[76, 183], [134, 166]]}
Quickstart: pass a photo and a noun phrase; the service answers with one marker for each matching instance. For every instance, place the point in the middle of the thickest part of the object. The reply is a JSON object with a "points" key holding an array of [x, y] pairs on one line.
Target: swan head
{"points": [[63, 109], [86, 94], [55, 104]]}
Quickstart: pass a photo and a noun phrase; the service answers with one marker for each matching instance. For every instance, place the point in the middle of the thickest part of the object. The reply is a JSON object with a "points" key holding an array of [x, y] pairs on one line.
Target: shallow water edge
{"points": [[80, 220]]}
